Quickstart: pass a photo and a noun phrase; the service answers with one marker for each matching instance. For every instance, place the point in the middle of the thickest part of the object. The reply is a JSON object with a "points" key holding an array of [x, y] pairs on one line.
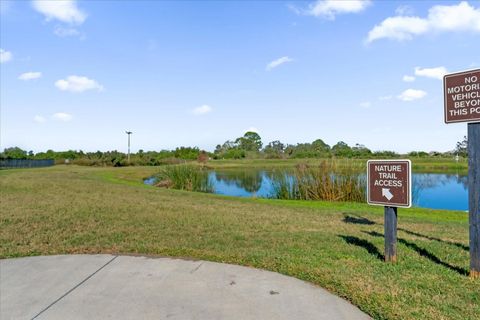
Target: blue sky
{"points": [[77, 74]]}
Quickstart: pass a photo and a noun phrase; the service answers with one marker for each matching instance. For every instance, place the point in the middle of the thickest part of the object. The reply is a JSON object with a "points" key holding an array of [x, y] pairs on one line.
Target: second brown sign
{"points": [[462, 96]]}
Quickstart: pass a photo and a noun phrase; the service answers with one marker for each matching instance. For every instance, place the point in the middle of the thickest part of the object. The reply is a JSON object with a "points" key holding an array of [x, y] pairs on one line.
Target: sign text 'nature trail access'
{"points": [[389, 183]]}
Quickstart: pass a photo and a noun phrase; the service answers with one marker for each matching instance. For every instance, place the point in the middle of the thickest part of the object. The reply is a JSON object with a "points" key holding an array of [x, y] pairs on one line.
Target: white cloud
{"points": [[461, 17], [398, 28], [408, 78], [78, 84], [203, 109], [29, 76], [436, 73], [64, 10], [411, 94], [5, 56], [278, 62], [39, 119], [62, 116], [330, 8], [366, 104]]}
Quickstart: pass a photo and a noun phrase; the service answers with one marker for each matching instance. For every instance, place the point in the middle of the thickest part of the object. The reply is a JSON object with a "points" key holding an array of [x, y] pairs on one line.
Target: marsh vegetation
{"points": [[326, 181], [184, 177]]}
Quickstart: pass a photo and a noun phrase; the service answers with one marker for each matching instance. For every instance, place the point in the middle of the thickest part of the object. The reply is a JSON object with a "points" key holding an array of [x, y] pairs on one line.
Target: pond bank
{"points": [[430, 190]]}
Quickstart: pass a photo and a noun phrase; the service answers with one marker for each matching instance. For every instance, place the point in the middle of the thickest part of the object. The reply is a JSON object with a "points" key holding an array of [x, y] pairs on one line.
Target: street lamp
{"points": [[128, 155]]}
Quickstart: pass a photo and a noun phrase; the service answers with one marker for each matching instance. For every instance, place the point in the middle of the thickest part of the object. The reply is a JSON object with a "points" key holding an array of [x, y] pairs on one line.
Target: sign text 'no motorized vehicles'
{"points": [[462, 96]]}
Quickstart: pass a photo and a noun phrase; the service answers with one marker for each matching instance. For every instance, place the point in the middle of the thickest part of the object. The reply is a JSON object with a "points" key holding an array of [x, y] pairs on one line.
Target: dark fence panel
{"points": [[26, 163]]}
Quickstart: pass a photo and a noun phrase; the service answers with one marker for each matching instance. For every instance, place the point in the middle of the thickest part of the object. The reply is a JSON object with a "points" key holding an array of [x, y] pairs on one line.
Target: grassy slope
{"points": [[335, 245]]}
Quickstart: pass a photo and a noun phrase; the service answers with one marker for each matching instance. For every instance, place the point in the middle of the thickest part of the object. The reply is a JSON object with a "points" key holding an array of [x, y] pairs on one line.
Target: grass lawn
{"points": [[338, 246], [425, 165]]}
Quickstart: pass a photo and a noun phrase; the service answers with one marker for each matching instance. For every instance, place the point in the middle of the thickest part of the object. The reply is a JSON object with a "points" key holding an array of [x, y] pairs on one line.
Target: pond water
{"points": [[429, 190]]}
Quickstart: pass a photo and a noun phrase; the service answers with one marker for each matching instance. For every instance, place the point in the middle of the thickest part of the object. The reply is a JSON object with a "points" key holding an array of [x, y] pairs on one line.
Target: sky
{"points": [[78, 74]]}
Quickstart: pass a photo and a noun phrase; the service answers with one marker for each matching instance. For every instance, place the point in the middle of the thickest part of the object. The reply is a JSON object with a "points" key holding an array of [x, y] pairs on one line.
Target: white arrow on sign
{"points": [[386, 193]]}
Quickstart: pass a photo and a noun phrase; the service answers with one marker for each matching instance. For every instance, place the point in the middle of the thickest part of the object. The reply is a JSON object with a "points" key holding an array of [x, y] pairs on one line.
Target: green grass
{"points": [[338, 246], [424, 165], [440, 165]]}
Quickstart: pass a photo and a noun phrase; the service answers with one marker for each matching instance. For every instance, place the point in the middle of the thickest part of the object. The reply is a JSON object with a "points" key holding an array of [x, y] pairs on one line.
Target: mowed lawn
{"points": [[338, 246]]}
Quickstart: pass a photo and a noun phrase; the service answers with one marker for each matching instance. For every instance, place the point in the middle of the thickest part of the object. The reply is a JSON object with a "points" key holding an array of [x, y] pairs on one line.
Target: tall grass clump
{"points": [[184, 177], [328, 181]]}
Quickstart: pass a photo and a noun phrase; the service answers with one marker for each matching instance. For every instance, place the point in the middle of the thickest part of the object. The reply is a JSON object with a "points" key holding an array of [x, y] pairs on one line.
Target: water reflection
{"points": [[436, 191], [251, 181], [440, 191], [248, 183]]}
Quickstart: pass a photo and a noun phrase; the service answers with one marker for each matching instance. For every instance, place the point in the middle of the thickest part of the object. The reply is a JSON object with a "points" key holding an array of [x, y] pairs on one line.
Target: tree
{"points": [[274, 149], [360, 151], [187, 153], [462, 147], [341, 149], [316, 149], [228, 150], [234, 153], [14, 153], [202, 157], [251, 141], [320, 146], [218, 149]]}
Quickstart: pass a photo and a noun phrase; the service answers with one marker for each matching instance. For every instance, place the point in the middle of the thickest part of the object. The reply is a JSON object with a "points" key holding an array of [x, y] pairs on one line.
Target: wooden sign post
{"points": [[389, 185], [462, 104], [390, 232], [474, 197]]}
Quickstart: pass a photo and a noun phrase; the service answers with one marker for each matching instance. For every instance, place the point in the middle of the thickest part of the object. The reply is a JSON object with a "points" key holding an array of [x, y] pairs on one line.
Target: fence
{"points": [[26, 163]]}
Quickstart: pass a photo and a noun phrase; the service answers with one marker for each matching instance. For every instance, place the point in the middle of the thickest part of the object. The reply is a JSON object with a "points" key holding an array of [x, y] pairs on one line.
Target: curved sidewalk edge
{"points": [[130, 287]]}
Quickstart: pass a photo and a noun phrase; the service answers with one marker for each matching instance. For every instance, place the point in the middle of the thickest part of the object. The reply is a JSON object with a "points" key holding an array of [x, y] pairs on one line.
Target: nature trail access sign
{"points": [[462, 96], [389, 183]]}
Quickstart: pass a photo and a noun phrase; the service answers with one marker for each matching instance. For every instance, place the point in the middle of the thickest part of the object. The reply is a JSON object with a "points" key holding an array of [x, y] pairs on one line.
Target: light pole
{"points": [[128, 155]]}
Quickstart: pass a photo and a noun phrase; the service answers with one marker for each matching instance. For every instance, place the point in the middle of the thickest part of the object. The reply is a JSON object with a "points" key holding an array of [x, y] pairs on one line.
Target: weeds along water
{"points": [[184, 177], [330, 180]]}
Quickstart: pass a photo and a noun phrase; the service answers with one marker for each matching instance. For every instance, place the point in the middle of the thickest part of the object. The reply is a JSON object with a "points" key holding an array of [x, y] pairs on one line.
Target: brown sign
{"points": [[389, 183], [462, 96]]}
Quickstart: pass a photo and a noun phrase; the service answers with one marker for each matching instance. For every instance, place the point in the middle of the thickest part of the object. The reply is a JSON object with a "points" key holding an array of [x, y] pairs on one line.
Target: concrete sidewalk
{"points": [[126, 287]]}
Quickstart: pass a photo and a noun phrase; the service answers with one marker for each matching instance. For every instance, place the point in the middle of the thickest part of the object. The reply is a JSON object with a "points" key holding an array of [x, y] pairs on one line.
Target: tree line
{"points": [[248, 146]]}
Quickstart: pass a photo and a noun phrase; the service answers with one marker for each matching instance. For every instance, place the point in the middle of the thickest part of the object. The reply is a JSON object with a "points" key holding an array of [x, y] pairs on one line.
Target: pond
{"points": [[429, 190]]}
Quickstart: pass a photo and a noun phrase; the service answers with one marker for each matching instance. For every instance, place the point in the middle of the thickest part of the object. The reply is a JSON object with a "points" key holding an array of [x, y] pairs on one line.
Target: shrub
{"points": [[325, 182], [184, 177]]}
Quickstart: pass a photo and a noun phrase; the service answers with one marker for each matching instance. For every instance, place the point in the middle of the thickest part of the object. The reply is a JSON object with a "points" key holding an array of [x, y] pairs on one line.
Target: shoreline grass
{"points": [[338, 246], [323, 182], [420, 165], [184, 177]]}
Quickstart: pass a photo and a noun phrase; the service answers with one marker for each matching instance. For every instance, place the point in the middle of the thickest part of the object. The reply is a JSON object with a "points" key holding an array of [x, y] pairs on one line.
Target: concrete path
{"points": [[126, 287]]}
